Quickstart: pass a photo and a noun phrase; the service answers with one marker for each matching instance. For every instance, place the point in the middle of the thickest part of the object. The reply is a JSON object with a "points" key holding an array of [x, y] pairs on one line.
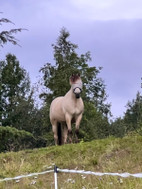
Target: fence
{"points": [[56, 170]]}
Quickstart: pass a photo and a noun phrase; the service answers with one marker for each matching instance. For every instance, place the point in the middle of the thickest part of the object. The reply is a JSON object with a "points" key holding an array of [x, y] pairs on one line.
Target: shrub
{"points": [[12, 139]]}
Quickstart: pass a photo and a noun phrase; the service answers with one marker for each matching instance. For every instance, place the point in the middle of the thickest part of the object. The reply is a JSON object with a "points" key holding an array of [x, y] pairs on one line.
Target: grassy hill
{"points": [[106, 155]]}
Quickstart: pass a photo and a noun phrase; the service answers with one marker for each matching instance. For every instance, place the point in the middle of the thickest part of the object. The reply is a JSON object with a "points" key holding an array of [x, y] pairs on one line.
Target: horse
{"points": [[65, 110]]}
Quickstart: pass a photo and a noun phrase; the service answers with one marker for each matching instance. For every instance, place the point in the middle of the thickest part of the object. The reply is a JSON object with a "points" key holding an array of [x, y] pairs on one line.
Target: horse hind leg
{"points": [[59, 132], [54, 129]]}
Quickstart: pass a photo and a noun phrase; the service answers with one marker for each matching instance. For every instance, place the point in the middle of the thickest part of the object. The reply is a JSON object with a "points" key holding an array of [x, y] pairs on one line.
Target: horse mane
{"points": [[74, 78]]}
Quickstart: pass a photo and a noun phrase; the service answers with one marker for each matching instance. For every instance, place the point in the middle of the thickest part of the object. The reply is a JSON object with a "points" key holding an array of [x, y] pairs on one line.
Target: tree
{"points": [[131, 121], [7, 36], [14, 88], [118, 128], [93, 125], [133, 115], [67, 61], [56, 81]]}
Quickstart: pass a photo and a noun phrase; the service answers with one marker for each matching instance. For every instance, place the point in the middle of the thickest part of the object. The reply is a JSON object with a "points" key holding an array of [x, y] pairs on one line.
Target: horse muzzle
{"points": [[77, 95], [77, 91]]}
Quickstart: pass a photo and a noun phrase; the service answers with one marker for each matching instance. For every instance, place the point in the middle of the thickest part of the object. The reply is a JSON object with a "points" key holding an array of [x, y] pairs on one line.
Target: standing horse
{"points": [[66, 110]]}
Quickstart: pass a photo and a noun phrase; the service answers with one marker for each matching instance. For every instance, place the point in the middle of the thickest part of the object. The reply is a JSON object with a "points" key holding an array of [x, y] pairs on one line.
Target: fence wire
{"points": [[58, 170], [25, 176], [137, 175]]}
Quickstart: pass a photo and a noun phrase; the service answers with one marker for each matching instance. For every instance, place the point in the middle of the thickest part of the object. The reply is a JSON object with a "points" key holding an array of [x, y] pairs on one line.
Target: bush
{"points": [[12, 139]]}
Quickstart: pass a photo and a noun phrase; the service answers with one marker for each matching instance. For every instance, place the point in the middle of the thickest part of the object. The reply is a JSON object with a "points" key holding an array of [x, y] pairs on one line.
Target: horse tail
{"points": [[59, 134]]}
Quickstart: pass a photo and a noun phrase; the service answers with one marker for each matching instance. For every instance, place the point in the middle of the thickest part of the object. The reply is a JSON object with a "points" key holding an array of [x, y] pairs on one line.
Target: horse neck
{"points": [[71, 95]]}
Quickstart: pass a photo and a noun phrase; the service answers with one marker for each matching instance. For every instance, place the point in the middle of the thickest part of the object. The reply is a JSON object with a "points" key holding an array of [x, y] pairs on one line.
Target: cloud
{"points": [[107, 10]]}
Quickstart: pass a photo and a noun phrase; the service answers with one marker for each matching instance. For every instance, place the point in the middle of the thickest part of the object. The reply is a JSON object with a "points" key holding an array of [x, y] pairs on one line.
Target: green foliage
{"points": [[93, 125], [118, 128], [133, 115], [15, 86], [132, 120], [7, 36], [17, 106], [14, 140], [41, 127]]}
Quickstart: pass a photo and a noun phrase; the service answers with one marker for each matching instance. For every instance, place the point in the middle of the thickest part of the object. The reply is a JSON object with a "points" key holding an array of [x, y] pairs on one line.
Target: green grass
{"points": [[106, 155]]}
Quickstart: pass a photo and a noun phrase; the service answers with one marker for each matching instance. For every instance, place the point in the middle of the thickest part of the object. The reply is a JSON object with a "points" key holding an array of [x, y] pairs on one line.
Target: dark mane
{"points": [[74, 77]]}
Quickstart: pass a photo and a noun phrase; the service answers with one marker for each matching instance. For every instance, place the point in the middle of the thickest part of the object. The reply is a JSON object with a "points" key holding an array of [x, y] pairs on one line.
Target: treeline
{"points": [[24, 125], [132, 119]]}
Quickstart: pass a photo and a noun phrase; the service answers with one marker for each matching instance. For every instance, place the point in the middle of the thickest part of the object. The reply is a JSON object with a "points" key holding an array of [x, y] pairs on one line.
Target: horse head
{"points": [[76, 84]]}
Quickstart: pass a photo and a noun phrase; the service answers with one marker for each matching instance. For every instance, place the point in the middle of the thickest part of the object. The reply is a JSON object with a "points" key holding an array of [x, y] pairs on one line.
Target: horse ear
{"points": [[70, 80]]}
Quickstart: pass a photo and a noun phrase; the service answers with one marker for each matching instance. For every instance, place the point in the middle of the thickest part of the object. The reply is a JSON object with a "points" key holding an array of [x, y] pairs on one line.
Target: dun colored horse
{"points": [[66, 110]]}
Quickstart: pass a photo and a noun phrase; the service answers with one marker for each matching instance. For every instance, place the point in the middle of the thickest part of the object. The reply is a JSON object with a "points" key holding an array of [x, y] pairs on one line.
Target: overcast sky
{"points": [[110, 29]]}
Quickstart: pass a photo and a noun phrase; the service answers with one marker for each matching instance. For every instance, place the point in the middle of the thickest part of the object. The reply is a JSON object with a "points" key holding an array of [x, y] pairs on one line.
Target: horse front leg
{"points": [[77, 124], [68, 122]]}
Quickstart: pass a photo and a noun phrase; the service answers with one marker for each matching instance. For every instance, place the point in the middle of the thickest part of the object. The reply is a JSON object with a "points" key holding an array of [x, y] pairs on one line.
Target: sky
{"points": [[110, 29]]}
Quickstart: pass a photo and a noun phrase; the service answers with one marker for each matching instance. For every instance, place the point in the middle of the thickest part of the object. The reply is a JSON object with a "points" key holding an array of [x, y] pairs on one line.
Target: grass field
{"points": [[106, 155]]}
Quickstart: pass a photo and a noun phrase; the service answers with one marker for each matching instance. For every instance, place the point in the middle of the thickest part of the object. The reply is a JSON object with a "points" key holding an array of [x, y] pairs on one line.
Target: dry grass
{"points": [[107, 155]]}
